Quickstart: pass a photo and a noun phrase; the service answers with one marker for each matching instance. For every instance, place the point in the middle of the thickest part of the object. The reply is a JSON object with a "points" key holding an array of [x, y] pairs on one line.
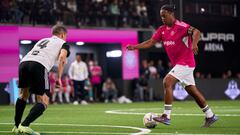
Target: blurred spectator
{"points": [[124, 13], [78, 72], [44, 12], [115, 13], [109, 90], [52, 80], [238, 75], [67, 85], [169, 67], [34, 12], [209, 76], [4, 10], [153, 70], [57, 91], [161, 69], [57, 14], [143, 89], [144, 69], [224, 76], [16, 13], [96, 13], [96, 73], [229, 74], [70, 12], [133, 16], [142, 13], [31, 99], [202, 76], [89, 89], [197, 75], [105, 13]]}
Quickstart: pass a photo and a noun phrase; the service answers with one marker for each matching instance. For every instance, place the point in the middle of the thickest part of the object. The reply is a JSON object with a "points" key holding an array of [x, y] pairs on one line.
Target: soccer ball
{"points": [[148, 120]]}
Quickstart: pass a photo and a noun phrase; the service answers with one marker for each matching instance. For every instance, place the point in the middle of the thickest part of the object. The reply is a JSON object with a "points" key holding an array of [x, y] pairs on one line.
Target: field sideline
{"points": [[107, 119]]}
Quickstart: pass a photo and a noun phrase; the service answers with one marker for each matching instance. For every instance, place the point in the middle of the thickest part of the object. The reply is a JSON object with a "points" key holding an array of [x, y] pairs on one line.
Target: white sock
{"points": [[167, 110], [208, 112]]}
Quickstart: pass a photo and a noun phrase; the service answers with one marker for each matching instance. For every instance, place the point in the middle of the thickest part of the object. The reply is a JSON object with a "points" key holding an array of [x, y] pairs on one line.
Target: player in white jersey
{"points": [[33, 76]]}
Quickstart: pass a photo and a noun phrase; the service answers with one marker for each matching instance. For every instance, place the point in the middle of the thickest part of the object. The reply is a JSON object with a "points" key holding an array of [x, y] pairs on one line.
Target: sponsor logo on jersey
{"points": [[168, 43]]}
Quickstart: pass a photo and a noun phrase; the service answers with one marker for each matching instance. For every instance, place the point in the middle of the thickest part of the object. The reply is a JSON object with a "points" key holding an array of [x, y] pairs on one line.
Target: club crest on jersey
{"points": [[163, 33]]}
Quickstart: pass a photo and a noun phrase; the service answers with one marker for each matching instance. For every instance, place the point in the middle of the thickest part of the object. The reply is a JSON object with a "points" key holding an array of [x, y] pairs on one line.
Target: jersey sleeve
{"points": [[187, 29], [66, 47], [157, 35]]}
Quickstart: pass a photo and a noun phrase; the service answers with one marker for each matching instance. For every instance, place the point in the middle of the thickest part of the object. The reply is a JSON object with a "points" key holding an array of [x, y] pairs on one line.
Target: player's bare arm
{"points": [[195, 39], [147, 44], [61, 62]]}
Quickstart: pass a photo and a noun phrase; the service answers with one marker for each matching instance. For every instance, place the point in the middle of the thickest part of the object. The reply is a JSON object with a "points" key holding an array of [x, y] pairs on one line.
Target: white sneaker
{"points": [[83, 102], [26, 130], [15, 130], [75, 103]]}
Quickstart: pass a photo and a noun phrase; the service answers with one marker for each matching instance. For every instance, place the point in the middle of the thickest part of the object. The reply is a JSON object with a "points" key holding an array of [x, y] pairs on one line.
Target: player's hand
{"points": [[59, 83], [131, 47], [195, 49]]}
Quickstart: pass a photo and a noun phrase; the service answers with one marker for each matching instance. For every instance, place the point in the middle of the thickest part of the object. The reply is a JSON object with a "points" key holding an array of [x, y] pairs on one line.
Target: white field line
{"points": [[141, 130], [129, 112]]}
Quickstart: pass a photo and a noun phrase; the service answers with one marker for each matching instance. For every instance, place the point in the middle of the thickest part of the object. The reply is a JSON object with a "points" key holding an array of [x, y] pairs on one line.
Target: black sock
{"points": [[36, 111], [19, 109]]}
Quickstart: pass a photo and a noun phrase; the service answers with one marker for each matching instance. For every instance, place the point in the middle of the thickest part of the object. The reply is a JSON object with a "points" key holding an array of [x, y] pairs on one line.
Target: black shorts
{"points": [[34, 76]]}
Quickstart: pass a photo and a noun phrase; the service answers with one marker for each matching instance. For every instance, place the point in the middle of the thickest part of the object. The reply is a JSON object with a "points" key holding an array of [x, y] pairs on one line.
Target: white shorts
{"points": [[184, 74]]}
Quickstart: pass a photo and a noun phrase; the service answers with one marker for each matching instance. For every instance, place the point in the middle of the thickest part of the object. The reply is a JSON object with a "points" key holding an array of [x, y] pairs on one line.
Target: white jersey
{"points": [[45, 51]]}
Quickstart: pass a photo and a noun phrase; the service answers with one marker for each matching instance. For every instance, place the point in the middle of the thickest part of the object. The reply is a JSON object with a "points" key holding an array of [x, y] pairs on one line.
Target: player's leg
{"points": [[67, 94], [141, 93], [37, 110], [76, 91], [39, 85], [99, 92], [106, 95], [150, 91], [54, 96], [60, 93], [195, 93], [19, 108], [24, 94], [33, 98], [168, 82], [83, 92], [210, 118], [20, 105]]}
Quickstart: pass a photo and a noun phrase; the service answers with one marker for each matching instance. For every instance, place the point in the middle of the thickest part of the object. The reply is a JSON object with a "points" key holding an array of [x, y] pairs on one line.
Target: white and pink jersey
{"points": [[177, 43]]}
